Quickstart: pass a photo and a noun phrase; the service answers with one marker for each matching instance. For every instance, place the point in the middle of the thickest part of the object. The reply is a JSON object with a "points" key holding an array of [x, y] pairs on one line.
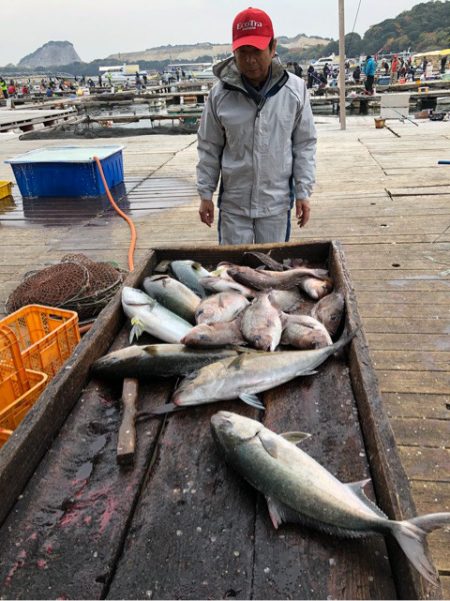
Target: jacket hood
{"points": [[228, 72]]}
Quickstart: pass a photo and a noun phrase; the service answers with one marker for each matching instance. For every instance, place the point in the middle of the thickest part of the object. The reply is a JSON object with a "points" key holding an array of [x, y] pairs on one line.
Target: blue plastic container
{"points": [[67, 170]]}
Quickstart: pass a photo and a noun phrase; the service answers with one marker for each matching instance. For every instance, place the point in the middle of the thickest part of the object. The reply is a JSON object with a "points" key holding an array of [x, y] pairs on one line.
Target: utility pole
{"points": [[341, 64]]}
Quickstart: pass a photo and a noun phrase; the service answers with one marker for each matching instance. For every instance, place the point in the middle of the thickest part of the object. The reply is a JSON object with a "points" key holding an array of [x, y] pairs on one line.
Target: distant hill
{"points": [[51, 54], [191, 52], [425, 27]]}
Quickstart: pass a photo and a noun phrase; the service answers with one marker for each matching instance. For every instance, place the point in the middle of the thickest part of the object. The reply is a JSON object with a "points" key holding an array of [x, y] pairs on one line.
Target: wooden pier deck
{"points": [[380, 192]]}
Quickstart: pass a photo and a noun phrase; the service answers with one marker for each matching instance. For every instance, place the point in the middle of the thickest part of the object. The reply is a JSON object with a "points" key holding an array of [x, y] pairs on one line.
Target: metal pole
{"points": [[341, 64]]}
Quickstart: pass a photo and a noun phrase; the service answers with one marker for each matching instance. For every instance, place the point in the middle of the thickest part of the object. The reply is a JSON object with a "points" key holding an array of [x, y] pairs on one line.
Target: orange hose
{"points": [[132, 246]]}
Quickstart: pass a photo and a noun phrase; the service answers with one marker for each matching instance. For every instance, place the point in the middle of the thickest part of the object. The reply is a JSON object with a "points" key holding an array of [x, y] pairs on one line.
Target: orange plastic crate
{"points": [[11, 414], [46, 336], [19, 387]]}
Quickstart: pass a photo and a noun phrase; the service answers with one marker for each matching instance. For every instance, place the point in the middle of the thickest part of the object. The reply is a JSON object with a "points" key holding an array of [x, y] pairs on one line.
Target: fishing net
{"points": [[76, 283]]}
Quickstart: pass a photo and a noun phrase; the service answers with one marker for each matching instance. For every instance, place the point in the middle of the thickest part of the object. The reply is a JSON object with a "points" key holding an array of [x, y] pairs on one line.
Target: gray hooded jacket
{"points": [[256, 144]]}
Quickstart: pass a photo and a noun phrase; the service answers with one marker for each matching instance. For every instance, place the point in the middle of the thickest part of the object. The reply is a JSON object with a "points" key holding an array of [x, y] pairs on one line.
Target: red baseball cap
{"points": [[252, 27]]}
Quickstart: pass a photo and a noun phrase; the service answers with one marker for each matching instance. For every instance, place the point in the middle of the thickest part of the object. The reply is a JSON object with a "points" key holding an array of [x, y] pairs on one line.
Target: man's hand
{"points": [[302, 211], [206, 212]]}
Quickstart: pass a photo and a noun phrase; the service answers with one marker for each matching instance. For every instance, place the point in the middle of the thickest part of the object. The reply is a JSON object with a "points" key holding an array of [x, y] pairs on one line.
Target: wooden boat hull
{"points": [[181, 524]]}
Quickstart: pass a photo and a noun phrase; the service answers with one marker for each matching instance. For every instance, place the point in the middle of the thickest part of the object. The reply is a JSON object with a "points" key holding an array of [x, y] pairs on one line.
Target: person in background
{"points": [[326, 71], [298, 70], [385, 66], [443, 63], [310, 77], [394, 69], [257, 136], [424, 66], [138, 83], [11, 88], [3, 87], [369, 70], [100, 81], [357, 74]]}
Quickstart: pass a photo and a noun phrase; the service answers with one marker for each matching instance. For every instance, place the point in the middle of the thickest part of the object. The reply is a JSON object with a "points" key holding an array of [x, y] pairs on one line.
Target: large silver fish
{"points": [[329, 311], [225, 283], [147, 315], [249, 374], [189, 272], [224, 306], [265, 280], [174, 295], [304, 332], [298, 489], [215, 334], [261, 323], [156, 360], [287, 300]]}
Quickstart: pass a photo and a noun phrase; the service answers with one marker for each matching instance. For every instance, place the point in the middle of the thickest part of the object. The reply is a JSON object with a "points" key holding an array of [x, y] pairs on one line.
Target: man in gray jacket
{"points": [[257, 136]]}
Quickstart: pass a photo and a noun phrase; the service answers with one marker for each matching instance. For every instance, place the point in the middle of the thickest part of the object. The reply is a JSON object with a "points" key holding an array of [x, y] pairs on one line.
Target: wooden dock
{"points": [[26, 119], [380, 192]]}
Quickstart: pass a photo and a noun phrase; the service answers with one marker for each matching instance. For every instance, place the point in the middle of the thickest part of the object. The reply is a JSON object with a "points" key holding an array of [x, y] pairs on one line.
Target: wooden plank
{"points": [[414, 382], [404, 311], [410, 360], [399, 404], [426, 342], [399, 296], [438, 325], [419, 432], [426, 464]]}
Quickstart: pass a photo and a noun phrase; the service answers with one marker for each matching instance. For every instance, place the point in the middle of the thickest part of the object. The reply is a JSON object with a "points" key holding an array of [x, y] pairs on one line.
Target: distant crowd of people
{"points": [[398, 69]]}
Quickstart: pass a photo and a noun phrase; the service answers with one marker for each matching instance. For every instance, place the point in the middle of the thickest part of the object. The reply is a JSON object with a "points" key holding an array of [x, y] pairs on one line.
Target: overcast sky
{"points": [[98, 28]]}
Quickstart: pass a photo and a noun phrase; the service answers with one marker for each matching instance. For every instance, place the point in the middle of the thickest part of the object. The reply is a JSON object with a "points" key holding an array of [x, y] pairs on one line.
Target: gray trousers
{"points": [[238, 229]]}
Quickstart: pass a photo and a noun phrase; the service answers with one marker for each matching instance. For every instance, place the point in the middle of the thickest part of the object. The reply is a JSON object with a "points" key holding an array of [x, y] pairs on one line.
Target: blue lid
{"points": [[66, 154]]}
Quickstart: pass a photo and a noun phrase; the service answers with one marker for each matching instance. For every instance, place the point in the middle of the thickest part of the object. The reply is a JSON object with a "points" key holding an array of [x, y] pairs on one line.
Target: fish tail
{"points": [[343, 340], [410, 535]]}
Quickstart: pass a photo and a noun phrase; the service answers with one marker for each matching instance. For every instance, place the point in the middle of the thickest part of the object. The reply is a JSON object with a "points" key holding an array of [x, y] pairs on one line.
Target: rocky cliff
{"points": [[51, 54]]}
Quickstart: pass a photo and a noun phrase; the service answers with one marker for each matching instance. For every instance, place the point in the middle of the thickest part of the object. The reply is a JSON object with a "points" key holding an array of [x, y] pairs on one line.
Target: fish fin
{"points": [[252, 400], [295, 437], [236, 363], [308, 373], [269, 444], [411, 539], [240, 348], [137, 329], [358, 489], [280, 513]]}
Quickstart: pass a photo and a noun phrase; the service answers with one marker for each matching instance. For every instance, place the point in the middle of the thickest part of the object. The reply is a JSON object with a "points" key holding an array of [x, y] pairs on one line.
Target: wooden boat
{"points": [[180, 524]]}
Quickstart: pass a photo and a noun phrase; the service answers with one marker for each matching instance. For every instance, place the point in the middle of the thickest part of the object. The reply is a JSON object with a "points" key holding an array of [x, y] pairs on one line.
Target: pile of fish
{"points": [[221, 328], [236, 305]]}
